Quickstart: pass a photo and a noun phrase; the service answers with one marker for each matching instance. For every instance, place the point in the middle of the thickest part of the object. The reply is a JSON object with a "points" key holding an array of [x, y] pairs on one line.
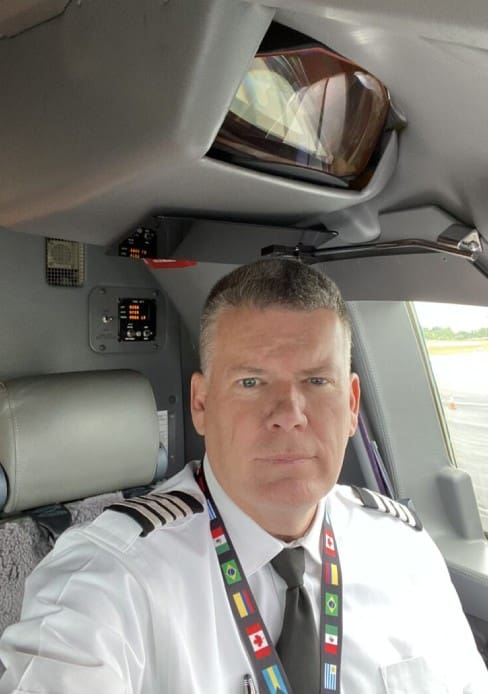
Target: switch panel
{"points": [[142, 243], [126, 320], [137, 320]]}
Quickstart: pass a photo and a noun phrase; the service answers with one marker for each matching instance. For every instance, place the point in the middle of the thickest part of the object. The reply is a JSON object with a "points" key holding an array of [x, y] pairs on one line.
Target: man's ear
{"points": [[354, 395], [197, 401]]}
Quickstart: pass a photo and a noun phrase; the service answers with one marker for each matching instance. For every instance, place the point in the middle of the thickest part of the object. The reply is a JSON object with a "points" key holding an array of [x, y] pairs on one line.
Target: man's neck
{"points": [[285, 523], [285, 526]]}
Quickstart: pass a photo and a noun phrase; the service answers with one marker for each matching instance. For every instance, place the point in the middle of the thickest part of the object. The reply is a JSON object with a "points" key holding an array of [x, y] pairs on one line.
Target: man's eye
{"points": [[248, 382], [318, 381]]}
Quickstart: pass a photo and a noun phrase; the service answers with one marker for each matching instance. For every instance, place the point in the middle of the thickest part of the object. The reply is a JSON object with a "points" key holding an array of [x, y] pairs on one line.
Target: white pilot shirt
{"points": [[110, 612]]}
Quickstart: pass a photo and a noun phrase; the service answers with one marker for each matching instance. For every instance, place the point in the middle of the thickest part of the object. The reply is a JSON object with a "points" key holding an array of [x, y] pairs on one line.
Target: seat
{"points": [[70, 444]]}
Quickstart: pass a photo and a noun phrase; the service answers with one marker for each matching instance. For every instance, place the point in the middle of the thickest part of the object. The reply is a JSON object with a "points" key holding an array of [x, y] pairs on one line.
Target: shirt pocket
{"points": [[413, 676]]}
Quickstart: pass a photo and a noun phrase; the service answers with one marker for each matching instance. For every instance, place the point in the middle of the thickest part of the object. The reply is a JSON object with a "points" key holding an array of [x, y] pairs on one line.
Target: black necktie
{"points": [[298, 645]]}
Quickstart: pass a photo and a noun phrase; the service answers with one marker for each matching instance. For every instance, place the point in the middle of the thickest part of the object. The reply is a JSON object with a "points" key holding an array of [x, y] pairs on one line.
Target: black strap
{"points": [[268, 668]]}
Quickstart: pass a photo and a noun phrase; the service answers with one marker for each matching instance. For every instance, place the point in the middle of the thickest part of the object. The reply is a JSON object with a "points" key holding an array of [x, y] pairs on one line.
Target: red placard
{"points": [[167, 263]]}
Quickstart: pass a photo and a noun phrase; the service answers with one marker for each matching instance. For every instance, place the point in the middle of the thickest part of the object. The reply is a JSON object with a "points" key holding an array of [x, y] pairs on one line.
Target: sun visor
{"points": [[16, 17]]}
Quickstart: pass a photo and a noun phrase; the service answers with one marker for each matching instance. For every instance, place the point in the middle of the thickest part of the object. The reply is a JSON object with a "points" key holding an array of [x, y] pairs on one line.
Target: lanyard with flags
{"points": [[268, 669]]}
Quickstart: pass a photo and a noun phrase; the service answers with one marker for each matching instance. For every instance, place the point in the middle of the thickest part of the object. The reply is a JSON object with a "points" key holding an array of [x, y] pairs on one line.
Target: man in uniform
{"points": [[253, 571]]}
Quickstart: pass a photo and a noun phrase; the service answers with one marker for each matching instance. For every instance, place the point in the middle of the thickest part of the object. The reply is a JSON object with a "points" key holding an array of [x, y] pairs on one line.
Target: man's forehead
{"points": [[243, 333], [280, 317], [278, 312], [271, 327]]}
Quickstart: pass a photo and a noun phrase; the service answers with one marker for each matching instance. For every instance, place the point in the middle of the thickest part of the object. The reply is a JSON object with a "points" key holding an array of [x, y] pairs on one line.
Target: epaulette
{"points": [[403, 510], [156, 509]]}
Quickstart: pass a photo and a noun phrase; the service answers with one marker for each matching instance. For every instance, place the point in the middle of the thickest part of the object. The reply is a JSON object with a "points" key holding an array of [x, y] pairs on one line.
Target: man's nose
{"points": [[288, 411]]}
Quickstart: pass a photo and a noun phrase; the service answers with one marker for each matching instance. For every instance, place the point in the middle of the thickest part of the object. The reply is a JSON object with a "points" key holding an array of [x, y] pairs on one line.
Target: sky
{"points": [[452, 316]]}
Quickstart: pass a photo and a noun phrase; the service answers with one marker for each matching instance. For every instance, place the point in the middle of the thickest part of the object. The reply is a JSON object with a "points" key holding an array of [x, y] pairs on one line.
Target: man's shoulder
{"points": [[173, 503], [389, 529], [158, 509], [359, 499]]}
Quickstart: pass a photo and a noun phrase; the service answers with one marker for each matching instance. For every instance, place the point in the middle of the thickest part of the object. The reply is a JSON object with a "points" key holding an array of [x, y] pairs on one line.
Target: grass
{"points": [[456, 346]]}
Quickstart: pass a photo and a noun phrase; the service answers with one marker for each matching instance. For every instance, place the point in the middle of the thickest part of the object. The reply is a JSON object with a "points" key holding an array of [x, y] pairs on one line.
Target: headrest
{"points": [[72, 435]]}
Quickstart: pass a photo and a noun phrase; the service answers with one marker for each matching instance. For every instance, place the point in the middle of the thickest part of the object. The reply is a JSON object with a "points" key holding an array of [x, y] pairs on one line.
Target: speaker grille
{"points": [[65, 263]]}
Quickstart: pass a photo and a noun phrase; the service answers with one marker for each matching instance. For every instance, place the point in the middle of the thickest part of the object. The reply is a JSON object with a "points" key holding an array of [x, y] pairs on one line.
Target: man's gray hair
{"points": [[269, 283]]}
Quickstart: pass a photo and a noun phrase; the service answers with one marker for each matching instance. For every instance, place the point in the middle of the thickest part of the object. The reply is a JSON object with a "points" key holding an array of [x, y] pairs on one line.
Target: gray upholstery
{"points": [[74, 435], [22, 546], [23, 543], [65, 437]]}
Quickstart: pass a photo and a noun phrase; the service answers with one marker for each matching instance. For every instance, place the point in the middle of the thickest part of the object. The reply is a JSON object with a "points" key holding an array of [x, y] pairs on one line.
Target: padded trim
{"points": [[73, 435]]}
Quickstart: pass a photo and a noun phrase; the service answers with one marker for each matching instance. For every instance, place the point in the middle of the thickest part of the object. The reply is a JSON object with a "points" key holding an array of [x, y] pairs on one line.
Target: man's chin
{"points": [[293, 493]]}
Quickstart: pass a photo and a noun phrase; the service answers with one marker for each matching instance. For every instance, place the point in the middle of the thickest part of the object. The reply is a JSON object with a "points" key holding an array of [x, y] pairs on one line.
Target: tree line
{"points": [[438, 333]]}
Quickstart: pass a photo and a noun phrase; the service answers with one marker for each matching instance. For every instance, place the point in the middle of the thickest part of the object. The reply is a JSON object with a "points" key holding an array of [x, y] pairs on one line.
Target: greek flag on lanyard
{"points": [[268, 670]]}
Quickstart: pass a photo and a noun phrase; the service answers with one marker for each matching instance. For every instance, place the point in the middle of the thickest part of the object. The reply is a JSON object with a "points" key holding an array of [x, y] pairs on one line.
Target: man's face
{"points": [[277, 407]]}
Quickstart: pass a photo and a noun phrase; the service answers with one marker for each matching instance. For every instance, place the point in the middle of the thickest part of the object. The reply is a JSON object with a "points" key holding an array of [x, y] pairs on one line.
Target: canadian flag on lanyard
{"points": [[329, 544], [258, 640]]}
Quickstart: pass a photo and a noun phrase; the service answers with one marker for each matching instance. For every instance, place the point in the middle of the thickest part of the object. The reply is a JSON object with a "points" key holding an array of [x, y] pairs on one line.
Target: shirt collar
{"points": [[311, 540], [255, 547]]}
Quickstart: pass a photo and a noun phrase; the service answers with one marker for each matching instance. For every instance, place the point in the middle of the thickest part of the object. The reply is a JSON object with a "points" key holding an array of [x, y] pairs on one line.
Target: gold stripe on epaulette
{"points": [[156, 509]]}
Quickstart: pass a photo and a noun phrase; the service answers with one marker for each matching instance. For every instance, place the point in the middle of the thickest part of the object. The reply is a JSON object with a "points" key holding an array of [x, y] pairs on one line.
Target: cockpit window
{"points": [[456, 341]]}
